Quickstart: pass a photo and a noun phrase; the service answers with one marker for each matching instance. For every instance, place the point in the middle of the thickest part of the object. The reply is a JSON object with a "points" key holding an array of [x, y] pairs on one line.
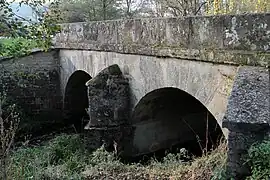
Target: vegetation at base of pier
{"points": [[259, 160], [65, 157]]}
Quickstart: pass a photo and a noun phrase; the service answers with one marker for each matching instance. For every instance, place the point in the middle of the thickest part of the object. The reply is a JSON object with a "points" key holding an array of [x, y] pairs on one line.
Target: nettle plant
{"points": [[41, 30]]}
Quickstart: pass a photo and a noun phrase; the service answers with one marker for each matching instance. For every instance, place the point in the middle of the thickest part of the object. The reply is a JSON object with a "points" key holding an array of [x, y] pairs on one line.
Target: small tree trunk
{"points": [[104, 9]]}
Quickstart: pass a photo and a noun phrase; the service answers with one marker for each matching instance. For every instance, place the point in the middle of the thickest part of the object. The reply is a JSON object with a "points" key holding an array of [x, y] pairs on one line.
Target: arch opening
{"points": [[167, 119], [76, 99]]}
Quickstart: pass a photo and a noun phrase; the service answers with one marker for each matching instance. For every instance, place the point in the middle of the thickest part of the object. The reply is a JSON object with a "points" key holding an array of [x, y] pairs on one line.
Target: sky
{"points": [[23, 11]]}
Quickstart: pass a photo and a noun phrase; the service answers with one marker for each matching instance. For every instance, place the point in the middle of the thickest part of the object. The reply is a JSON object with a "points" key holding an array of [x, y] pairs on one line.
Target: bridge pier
{"points": [[247, 117], [108, 95]]}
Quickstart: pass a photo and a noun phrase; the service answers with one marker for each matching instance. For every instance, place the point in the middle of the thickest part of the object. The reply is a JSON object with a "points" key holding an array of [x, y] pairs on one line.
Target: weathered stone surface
{"points": [[109, 109], [108, 94], [117, 139], [33, 83], [209, 83], [236, 39], [249, 100], [247, 117]]}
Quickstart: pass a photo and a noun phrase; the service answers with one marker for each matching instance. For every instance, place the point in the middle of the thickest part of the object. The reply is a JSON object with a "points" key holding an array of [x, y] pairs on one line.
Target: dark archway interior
{"points": [[174, 119], [76, 100]]}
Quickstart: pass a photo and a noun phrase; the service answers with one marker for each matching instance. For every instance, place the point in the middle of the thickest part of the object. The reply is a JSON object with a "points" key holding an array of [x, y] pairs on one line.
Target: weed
{"points": [[259, 160], [65, 157], [9, 122]]}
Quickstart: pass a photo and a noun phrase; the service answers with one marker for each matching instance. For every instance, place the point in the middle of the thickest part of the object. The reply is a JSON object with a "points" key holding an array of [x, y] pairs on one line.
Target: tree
{"points": [[176, 8], [236, 7], [14, 25], [133, 8], [90, 10]]}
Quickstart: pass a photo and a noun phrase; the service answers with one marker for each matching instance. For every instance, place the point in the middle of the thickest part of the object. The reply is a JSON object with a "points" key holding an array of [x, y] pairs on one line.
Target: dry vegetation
{"points": [[64, 157]]}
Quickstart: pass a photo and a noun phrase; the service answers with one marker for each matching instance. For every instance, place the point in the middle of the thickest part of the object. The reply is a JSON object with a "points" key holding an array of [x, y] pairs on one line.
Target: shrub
{"points": [[16, 47], [259, 160], [64, 147]]}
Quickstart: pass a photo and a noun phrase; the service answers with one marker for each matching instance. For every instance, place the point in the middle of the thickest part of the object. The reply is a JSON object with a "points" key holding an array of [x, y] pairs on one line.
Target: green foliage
{"points": [[259, 160], [102, 156], [17, 47], [63, 148], [219, 174], [214, 7], [65, 157], [171, 161], [65, 153], [31, 34]]}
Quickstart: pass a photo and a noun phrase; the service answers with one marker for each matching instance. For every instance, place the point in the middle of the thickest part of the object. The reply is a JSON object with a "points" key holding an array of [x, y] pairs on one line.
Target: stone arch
{"points": [[75, 98], [168, 116]]}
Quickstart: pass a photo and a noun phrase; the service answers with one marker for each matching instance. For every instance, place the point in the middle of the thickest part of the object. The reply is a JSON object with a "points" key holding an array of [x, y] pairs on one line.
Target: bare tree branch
{"points": [[198, 10]]}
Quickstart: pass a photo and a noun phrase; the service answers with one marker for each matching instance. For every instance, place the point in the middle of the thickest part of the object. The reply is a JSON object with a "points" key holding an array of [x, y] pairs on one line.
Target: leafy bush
{"points": [[16, 47], [259, 160], [41, 31]]}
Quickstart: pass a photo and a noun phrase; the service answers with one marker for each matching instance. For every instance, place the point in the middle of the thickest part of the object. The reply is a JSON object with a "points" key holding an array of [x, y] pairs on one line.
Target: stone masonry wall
{"points": [[233, 39], [109, 110], [32, 83]]}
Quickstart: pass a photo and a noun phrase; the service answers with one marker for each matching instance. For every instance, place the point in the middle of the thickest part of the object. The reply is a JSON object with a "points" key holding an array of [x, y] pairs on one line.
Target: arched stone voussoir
{"points": [[210, 84], [169, 116]]}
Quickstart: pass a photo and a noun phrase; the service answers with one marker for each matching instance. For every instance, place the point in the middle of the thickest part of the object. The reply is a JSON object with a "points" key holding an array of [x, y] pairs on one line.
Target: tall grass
{"points": [[62, 157], [65, 157]]}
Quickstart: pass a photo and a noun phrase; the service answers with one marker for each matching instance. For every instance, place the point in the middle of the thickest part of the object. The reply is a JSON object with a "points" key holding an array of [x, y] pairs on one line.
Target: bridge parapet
{"points": [[233, 39]]}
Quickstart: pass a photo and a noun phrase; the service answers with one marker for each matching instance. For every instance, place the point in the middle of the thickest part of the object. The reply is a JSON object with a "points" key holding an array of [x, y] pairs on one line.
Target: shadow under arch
{"points": [[169, 117], [76, 99]]}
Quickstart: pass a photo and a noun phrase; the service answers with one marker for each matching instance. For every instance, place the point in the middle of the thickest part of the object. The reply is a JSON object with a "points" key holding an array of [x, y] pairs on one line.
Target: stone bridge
{"points": [[167, 81]]}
